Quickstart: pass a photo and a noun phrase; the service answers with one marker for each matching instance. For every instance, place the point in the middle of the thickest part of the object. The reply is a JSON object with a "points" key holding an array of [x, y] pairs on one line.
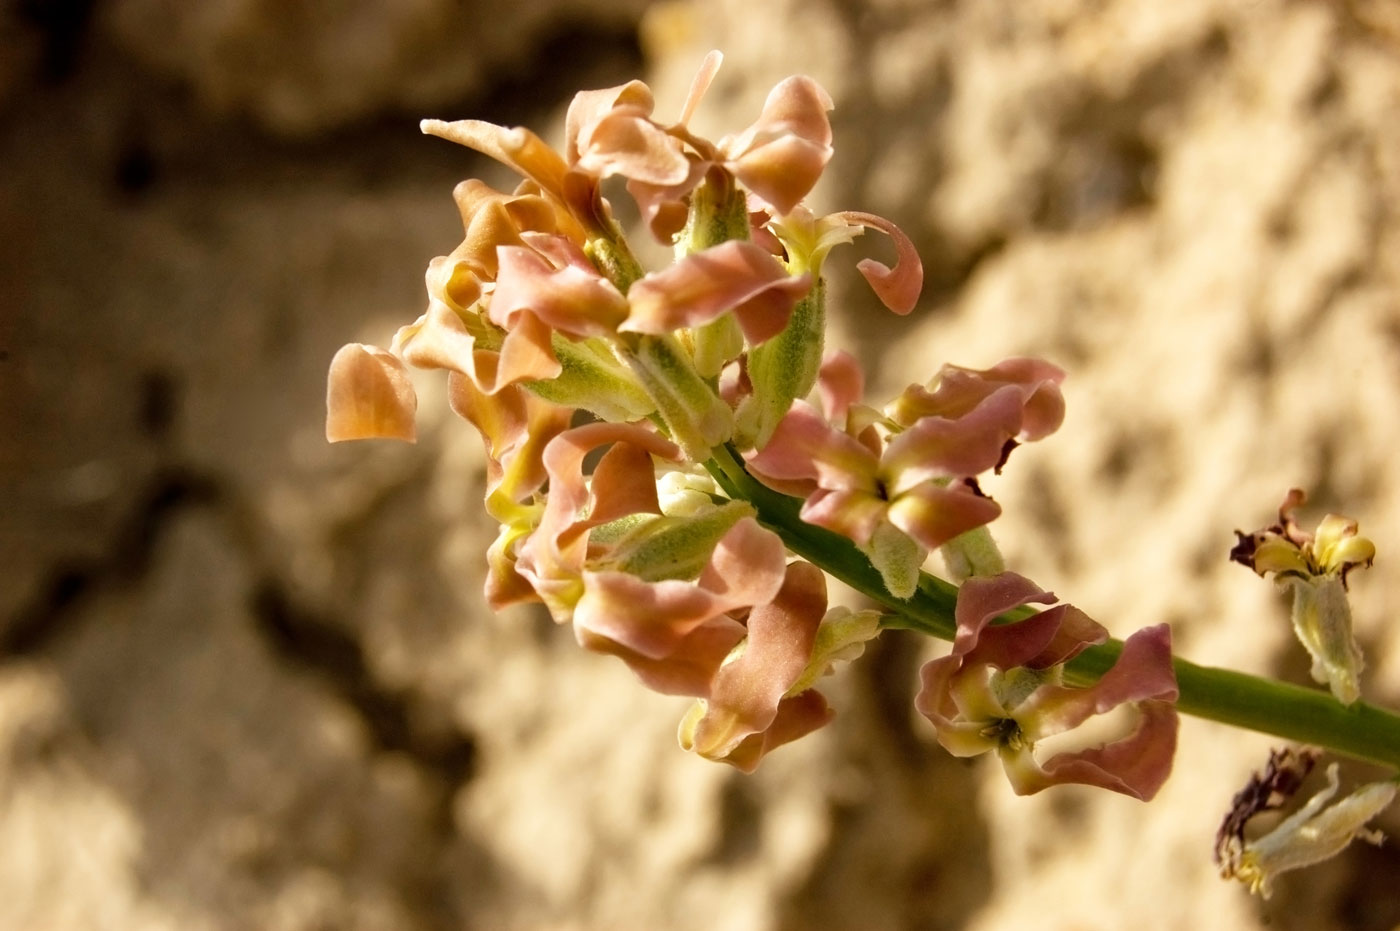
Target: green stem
{"points": [[1309, 716]]}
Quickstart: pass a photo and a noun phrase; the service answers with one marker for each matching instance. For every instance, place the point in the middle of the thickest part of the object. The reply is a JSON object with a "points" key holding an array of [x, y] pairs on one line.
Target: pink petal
{"points": [[897, 288], [781, 156], [566, 298], [553, 557], [745, 693], [369, 395], [855, 515], [805, 446], [651, 618], [841, 383], [686, 670], [936, 447], [1136, 765], [516, 148], [797, 717], [1143, 672], [625, 142], [734, 275], [957, 390], [589, 107], [709, 67], [782, 171], [933, 514]]}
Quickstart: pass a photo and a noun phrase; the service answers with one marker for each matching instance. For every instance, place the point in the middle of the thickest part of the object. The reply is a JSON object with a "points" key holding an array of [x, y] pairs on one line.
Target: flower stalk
{"points": [[1361, 730]]}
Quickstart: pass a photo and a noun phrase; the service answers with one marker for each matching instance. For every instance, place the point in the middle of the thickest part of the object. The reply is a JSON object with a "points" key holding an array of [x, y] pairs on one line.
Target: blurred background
{"points": [[247, 679]]}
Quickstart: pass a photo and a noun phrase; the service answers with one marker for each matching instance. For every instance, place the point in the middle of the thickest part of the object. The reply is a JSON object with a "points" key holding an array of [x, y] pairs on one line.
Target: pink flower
{"points": [[1000, 690]]}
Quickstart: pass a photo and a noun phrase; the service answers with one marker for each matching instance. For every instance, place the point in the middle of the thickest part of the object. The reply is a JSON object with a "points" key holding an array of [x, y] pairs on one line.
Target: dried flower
{"points": [[1314, 566], [1311, 835]]}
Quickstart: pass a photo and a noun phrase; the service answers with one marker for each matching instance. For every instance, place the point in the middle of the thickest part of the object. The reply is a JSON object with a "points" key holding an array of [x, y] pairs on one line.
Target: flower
{"points": [[900, 491], [1001, 690], [1309, 836], [1314, 566]]}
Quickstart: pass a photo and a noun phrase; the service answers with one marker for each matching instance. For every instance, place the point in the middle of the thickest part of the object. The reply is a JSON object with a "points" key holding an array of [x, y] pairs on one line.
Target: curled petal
{"points": [[493, 219], [936, 447], [780, 157], [1143, 672], [686, 670], [734, 275], [369, 395], [746, 691], [956, 391], [516, 148], [553, 557], [651, 618], [571, 298], [805, 446], [516, 426], [797, 717], [1135, 765], [897, 288]]}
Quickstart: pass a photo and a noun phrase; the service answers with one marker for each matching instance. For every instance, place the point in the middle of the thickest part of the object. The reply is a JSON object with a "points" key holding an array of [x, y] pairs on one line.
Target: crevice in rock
{"points": [[53, 611], [311, 641]]}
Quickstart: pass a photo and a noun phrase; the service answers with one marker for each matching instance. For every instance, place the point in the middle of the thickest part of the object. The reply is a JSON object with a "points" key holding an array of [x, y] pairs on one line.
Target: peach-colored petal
{"points": [[734, 275], [569, 298], [709, 67], [841, 383], [939, 448], [780, 157], [805, 446], [516, 426], [438, 339], [553, 557], [955, 391], [688, 669], [745, 569], [369, 395], [797, 717], [746, 691], [625, 142], [516, 148], [933, 514]]}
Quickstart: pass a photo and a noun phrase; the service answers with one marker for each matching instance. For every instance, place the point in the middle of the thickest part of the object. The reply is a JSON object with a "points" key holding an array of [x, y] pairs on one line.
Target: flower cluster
{"points": [[622, 410], [1314, 567]]}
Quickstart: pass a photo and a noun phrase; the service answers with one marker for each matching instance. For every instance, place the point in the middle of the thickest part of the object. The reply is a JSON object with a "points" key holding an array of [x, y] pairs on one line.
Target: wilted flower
{"points": [[1001, 690], [1314, 566], [1311, 835]]}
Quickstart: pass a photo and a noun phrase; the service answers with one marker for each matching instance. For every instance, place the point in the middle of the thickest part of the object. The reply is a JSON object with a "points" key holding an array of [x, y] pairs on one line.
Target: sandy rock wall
{"points": [[247, 680]]}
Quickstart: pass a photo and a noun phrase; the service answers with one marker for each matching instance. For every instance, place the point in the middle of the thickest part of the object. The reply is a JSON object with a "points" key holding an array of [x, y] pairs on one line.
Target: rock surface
{"points": [[248, 680]]}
